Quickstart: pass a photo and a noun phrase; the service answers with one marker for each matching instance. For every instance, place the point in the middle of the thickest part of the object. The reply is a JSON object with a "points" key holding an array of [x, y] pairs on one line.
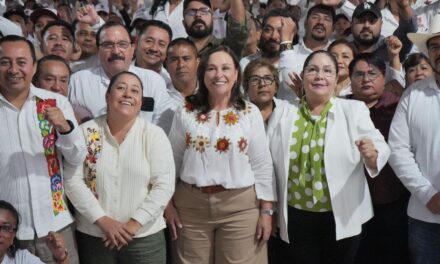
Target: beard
{"points": [[267, 50], [192, 31], [366, 41]]}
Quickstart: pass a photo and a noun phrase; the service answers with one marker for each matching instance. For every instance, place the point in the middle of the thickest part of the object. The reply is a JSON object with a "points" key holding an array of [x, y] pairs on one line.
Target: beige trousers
{"points": [[218, 228]]}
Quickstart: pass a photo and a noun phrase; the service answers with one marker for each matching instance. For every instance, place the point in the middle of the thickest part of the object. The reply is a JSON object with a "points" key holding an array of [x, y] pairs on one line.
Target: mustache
{"points": [[116, 57], [319, 26], [366, 30], [198, 20]]}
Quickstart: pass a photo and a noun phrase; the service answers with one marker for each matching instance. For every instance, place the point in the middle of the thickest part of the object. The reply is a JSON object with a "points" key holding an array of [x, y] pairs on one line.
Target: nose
{"points": [[13, 68]]}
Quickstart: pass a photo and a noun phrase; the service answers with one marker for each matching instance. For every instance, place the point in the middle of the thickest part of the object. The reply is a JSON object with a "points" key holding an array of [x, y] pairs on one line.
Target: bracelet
{"points": [[64, 259]]}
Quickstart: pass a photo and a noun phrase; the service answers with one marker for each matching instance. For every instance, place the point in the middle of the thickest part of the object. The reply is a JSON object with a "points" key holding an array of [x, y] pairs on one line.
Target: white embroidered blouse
{"points": [[227, 148]]}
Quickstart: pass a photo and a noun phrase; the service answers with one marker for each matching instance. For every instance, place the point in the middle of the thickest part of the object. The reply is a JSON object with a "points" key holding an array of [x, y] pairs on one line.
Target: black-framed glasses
{"points": [[359, 75], [204, 11], [256, 80], [108, 45], [7, 230]]}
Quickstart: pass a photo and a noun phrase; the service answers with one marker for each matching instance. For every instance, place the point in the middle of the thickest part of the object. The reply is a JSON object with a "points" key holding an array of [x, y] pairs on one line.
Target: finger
{"points": [[178, 223], [173, 231], [259, 232], [121, 239], [127, 235]]}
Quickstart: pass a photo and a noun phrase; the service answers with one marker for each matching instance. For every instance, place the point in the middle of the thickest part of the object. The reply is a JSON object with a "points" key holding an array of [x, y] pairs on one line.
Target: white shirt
{"points": [[389, 24], [134, 179], [163, 73], [234, 153], [174, 20], [91, 62], [24, 176], [21, 257], [87, 88], [415, 146]]}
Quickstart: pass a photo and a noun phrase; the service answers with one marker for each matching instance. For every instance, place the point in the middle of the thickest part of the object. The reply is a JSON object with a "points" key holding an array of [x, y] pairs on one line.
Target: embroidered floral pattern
{"points": [[230, 118], [201, 143], [242, 144], [188, 139], [222, 145], [202, 118], [189, 107], [53, 166], [93, 153]]}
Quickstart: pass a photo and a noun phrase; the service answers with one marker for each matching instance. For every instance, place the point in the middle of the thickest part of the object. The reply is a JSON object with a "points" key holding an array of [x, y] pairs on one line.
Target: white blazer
{"points": [[347, 121]]}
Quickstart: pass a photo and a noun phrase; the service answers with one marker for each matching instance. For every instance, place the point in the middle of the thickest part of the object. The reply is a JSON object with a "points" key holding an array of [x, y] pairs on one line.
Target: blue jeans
{"points": [[424, 242]]}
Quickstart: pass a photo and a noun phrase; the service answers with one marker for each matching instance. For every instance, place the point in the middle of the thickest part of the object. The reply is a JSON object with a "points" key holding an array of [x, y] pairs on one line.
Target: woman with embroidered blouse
{"points": [[221, 210], [320, 147], [125, 183]]}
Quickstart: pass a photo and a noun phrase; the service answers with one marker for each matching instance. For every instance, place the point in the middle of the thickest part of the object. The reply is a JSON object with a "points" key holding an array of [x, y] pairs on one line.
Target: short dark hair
{"points": [[256, 64], [40, 64], [345, 42], [116, 77], [187, 2], [183, 42], [270, 2], [15, 38], [60, 23], [322, 7], [200, 100], [277, 12], [370, 59], [109, 25], [413, 60], [332, 58], [156, 23], [11, 209]]}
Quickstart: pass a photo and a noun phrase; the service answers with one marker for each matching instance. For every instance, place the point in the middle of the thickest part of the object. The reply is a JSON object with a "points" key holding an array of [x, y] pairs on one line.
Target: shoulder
{"points": [[141, 72], [23, 256], [87, 73]]}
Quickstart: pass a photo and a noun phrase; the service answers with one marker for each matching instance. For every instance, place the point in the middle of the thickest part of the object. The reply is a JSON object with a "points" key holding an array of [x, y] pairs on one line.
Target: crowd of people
{"points": [[220, 131]]}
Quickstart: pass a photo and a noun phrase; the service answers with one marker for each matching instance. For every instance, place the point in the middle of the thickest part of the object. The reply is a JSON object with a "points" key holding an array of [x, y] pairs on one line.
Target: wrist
{"points": [[62, 258], [66, 128]]}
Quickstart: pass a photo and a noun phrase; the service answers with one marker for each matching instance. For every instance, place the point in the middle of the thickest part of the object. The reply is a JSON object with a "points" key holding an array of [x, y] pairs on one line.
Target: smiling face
{"points": [[343, 55], [7, 221], [367, 82], [319, 25], [125, 97], [115, 51], [418, 72], [319, 78], [16, 68], [58, 41], [152, 48], [259, 91], [220, 75]]}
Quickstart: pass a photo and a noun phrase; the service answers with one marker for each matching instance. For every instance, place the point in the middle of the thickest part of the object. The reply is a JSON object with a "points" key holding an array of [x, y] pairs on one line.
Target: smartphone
{"points": [[147, 104]]}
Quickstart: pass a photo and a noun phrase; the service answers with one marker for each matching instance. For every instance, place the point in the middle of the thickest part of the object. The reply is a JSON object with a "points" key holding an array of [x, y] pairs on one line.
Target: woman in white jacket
{"points": [[320, 147]]}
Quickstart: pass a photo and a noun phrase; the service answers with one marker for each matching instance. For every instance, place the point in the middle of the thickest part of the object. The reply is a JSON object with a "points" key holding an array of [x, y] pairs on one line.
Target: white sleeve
{"points": [[393, 74], [177, 139], [260, 158], [402, 158]]}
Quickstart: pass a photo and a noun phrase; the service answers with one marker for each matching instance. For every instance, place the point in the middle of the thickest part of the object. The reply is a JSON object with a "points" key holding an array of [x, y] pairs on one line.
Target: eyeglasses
{"points": [[314, 71], [256, 80], [7, 230], [204, 11], [108, 45], [371, 75]]}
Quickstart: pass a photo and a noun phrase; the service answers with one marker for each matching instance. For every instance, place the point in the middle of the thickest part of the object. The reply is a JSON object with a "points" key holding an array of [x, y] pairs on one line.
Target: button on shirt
{"points": [[415, 146], [88, 88], [24, 177]]}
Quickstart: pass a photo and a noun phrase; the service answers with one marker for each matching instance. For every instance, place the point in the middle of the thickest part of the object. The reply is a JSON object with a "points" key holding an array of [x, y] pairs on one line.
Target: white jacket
{"points": [[347, 121]]}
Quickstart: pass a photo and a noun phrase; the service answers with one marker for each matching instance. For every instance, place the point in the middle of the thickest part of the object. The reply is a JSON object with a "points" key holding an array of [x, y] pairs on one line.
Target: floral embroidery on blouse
{"points": [[242, 144], [188, 139], [93, 153], [189, 107], [202, 118], [201, 143], [49, 137], [230, 118], [222, 145]]}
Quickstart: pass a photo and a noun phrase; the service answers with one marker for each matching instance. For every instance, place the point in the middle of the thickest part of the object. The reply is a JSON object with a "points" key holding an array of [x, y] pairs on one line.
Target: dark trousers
{"points": [[144, 250], [385, 236], [313, 239], [424, 242]]}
